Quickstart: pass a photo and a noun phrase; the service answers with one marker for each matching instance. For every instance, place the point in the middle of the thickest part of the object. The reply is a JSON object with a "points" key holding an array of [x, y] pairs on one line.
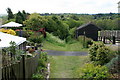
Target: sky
{"points": [[60, 6]]}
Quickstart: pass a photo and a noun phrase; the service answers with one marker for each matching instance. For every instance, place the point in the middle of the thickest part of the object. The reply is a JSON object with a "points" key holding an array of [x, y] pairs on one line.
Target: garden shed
{"points": [[5, 39], [89, 30]]}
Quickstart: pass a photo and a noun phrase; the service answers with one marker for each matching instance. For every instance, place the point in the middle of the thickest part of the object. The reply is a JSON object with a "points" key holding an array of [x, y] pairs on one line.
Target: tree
{"points": [[24, 15], [35, 22], [10, 14], [19, 17]]}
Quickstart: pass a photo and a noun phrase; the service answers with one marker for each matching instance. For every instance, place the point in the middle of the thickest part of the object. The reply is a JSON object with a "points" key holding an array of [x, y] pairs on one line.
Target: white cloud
{"points": [[60, 6]]}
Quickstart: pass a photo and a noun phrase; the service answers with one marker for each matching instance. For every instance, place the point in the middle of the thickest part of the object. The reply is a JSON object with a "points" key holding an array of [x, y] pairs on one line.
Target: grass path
{"points": [[66, 66], [67, 47]]}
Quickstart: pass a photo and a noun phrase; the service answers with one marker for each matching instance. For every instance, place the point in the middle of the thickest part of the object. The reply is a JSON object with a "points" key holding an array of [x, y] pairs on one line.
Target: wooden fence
{"points": [[109, 36], [20, 70]]}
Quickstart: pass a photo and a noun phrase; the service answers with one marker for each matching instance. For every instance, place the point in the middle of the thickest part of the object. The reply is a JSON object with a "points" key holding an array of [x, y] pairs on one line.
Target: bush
{"points": [[8, 31], [90, 71], [42, 67], [12, 32], [22, 33], [3, 30], [43, 59], [38, 76], [36, 38], [100, 54], [86, 42], [114, 64]]}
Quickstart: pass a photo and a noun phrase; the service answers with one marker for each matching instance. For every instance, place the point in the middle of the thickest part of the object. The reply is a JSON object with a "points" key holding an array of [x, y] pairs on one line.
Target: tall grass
{"points": [[55, 40]]}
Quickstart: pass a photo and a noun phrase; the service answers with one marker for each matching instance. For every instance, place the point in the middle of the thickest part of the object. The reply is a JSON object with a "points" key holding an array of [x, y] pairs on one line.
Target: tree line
{"points": [[63, 25]]}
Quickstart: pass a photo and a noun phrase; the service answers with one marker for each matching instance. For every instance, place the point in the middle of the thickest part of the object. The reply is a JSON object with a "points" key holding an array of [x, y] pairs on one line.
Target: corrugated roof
{"points": [[7, 38]]}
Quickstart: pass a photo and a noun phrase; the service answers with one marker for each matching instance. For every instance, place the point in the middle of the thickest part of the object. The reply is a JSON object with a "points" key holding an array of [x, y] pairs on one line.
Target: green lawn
{"points": [[67, 47], [66, 66]]}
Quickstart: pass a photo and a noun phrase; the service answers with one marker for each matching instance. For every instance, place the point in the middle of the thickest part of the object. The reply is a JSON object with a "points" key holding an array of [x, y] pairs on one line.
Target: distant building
{"points": [[89, 30]]}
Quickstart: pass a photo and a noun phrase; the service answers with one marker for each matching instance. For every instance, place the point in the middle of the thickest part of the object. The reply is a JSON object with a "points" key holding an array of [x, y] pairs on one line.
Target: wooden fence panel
{"points": [[16, 70], [31, 65]]}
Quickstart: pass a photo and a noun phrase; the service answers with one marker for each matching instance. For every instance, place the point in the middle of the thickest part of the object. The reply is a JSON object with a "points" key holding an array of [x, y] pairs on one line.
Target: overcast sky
{"points": [[60, 6]]}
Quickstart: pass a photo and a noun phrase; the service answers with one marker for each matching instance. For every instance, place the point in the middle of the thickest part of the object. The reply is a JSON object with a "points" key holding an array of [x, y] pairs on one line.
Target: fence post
{"points": [[104, 39], [113, 39], [23, 61]]}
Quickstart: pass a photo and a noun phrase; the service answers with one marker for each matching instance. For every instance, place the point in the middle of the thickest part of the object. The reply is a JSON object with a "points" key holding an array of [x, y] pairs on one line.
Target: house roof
{"points": [[85, 25], [12, 24], [7, 38]]}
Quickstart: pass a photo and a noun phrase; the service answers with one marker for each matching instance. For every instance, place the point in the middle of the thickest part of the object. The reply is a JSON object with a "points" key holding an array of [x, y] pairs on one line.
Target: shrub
{"points": [[42, 67], [113, 65], [86, 42], [94, 72], [102, 56], [36, 38], [38, 76], [3, 30], [29, 32], [99, 53], [43, 60], [8, 31]]}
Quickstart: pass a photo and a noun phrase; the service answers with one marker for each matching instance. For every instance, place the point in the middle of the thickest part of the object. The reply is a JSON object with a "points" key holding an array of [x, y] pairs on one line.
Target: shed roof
{"points": [[85, 25], [7, 38]]}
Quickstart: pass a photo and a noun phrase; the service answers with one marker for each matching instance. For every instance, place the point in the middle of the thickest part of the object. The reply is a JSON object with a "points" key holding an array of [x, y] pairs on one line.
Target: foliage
{"points": [[42, 67], [64, 25], [90, 71], [68, 39], [36, 38], [35, 22], [3, 30], [113, 65], [8, 31], [86, 42], [57, 27], [43, 59], [100, 54], [55, 40], [12, 47], [29, 32], [37, 76], [10, 20], [72, 32], [19, 17], [10, 14]]}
